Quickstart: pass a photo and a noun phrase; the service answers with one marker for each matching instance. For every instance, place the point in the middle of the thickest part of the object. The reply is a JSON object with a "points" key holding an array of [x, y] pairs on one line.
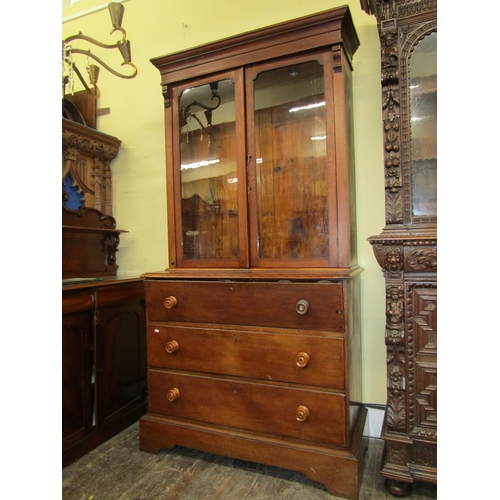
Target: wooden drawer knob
{"points": [[302, 359], [172, 346], [170, 302], [302, 306], [302, 413], [173, 394]]}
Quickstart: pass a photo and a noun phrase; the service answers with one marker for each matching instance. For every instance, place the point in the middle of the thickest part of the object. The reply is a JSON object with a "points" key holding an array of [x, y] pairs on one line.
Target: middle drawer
{"points": [[302, 359]]}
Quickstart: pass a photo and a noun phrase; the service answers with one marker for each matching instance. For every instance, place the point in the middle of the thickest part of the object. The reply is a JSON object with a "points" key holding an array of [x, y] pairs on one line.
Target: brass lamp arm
{"points": [[104, 65], [94, 93], [81, 36], [116, 11]]}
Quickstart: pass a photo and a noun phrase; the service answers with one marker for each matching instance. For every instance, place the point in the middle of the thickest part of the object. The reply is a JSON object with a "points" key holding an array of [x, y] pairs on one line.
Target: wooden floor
{"points": [[118, 470]]}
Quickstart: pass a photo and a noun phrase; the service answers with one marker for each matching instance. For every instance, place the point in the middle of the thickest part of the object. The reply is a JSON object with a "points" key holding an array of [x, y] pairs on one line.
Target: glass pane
{"points": [[423, 100], [208, 172], [290, 136]]}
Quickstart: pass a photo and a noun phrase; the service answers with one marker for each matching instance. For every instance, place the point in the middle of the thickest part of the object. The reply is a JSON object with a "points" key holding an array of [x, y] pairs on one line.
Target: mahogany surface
{"points": [[251, 352], [243, 303], [254, 347]]}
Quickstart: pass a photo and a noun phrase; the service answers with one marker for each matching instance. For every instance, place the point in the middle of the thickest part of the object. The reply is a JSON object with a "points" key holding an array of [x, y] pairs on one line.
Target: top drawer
{"points": [[316, 306], [77, 300]]}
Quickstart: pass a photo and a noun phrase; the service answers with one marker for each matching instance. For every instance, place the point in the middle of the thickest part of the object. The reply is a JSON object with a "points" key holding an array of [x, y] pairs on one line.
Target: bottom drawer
{"points": [[279, 410]]}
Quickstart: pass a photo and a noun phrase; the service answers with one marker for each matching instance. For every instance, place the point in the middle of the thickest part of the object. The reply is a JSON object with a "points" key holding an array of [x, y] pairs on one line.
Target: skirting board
{"points": [[374, 421]]}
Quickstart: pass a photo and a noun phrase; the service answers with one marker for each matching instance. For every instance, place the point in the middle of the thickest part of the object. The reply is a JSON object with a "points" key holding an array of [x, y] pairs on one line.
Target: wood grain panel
{"points": [[259, 304], [265, 356], [246, 405]]}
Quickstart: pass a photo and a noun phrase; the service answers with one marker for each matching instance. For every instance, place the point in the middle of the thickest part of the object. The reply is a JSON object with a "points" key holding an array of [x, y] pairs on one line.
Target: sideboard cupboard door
{"points": [[77, 400], [120, 358]]}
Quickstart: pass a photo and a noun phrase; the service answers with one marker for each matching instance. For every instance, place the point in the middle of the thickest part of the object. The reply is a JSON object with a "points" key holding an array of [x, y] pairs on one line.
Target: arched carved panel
{"points": [[86, 159]]}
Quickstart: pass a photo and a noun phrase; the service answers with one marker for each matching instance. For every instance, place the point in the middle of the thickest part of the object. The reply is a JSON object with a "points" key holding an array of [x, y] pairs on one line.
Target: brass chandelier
{"points": [[70, 69]]}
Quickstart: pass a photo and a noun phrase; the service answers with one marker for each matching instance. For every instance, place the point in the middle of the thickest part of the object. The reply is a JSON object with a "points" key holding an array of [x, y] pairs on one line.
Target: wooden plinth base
{"points": [[339, 470]]}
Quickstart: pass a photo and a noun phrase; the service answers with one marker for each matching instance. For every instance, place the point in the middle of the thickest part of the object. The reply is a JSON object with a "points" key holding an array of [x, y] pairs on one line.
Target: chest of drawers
{"points": [[257, 370]]}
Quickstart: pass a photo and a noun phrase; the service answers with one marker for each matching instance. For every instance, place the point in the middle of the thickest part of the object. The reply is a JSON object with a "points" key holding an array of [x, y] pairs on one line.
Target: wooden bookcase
{"points": [[253, 330]]}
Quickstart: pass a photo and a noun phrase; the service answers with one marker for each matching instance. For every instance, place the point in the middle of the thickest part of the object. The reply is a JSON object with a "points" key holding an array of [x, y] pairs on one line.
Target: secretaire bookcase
{"points": [[253, 330]]}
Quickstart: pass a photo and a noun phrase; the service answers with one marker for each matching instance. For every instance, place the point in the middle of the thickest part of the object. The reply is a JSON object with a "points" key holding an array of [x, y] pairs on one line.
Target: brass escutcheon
{"points": [[302, 306]]}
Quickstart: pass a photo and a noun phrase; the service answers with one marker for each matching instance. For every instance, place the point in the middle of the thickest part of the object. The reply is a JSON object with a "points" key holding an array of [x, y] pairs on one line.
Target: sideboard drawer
{"points": [[77, 300], [299, 358], [313, 306], [265, 408], [123, 293]]}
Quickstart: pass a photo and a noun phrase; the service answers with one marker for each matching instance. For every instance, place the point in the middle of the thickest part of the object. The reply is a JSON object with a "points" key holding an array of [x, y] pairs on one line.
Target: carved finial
{"points": [[337, 59], [165, 90]]}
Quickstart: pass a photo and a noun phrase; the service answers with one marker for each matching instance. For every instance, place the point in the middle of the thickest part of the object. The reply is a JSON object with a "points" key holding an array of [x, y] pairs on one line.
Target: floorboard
{"points": [[118, 470]]}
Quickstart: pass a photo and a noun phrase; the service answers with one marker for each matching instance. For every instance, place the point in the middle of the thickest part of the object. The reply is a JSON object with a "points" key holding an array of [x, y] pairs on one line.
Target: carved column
{"points": [[407, 253], [409, 265]]}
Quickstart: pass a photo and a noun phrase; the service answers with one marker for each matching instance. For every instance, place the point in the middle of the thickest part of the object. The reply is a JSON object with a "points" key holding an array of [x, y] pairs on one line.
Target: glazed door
{"points": [[290, 136], [209, 176], [423, 126]]}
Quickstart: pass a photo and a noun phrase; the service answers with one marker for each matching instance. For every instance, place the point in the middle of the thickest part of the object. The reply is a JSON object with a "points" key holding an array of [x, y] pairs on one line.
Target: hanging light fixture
{"points": [[70, 69]]}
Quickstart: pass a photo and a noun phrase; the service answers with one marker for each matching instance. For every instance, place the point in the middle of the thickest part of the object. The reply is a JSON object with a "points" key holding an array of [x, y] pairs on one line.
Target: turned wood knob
{"points": [[302, 306], [170, 302], [173, 394], [301, 413], [172, 346], [302, 359]]}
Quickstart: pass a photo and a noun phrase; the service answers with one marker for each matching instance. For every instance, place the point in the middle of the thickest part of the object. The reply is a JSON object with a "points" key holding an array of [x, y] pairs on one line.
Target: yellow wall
{"points": [[158, 27]]}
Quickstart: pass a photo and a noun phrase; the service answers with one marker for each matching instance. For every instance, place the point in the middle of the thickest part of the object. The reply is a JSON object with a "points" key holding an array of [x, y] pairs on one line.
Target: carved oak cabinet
{"points": [[253, 330], [407, 247]]}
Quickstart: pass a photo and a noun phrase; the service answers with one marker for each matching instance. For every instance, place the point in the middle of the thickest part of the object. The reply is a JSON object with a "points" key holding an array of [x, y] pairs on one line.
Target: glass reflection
{"points": [[290, 136], [208, 172], [423, 101]]}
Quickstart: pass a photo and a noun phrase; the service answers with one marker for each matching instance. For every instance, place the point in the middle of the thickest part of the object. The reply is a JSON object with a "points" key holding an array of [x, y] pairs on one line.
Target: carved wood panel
{"points": [[422, 354], [423, 455], [407, 253], [86, 159]]}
